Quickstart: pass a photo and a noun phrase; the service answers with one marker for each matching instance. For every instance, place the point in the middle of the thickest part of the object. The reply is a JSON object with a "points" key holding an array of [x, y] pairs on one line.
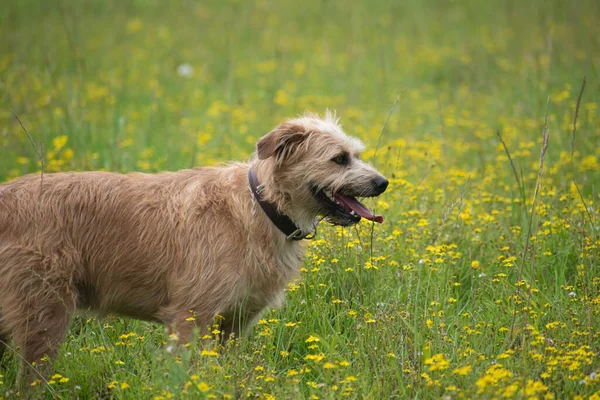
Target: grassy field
{"points": [[484, 279]]}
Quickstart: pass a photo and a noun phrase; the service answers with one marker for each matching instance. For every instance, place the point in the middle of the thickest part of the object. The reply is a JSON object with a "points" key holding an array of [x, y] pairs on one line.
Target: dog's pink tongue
{"points": [[353, 204]]}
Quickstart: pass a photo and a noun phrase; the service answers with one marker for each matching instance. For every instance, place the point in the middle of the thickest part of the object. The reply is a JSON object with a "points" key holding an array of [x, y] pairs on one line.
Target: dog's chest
{"points": [[277, 271], [290, 256]]}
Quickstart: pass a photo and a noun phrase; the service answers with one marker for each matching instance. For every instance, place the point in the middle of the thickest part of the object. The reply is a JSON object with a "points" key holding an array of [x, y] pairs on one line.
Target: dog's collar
{"points": [[281, 221]]}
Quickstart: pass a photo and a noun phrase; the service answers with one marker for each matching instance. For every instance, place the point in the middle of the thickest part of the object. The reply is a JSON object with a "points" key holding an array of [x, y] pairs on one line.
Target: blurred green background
{"points": [[105, 73]]}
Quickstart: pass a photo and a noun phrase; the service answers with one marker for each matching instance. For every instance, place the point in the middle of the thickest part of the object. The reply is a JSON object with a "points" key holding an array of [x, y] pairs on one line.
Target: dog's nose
{"points": [[380, 184]]}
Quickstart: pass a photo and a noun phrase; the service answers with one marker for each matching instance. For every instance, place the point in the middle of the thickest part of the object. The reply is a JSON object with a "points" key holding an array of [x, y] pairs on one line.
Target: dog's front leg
{"points": [[181, 324], [235, 323]]}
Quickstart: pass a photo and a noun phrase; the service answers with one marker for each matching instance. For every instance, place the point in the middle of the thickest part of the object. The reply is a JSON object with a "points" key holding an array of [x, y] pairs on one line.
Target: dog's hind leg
{"points": [[182, 321], [4, 331], [41, 333], [37, 303], [236, 322], [3, 338]]}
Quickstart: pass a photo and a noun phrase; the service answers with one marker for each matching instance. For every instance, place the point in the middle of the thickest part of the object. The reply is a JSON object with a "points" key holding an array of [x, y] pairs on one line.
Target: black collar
{"points": [[281, 221]]}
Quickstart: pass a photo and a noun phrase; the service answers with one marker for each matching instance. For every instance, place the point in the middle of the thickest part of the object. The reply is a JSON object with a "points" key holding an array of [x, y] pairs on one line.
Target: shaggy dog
{"points": [[208, 240]]}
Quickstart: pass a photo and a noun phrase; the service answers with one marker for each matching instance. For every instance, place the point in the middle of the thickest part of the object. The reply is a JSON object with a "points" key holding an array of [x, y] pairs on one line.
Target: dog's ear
{"points": [[281, 141]]}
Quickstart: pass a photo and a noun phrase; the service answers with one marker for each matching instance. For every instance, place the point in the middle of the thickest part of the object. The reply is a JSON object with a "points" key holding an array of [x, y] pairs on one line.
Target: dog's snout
{"points": [[380, 184]]}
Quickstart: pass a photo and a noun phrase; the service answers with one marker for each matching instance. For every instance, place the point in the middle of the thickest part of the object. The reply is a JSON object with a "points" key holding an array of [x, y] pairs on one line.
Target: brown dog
{"points": [[212, 240]]}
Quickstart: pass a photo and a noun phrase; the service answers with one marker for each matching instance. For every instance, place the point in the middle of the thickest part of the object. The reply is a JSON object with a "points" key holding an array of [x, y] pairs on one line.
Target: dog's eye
{"points": [[341, 159]]}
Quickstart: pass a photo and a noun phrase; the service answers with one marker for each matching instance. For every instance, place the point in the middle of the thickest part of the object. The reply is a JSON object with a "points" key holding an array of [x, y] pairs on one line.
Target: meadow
{"points": [[484, 279]]}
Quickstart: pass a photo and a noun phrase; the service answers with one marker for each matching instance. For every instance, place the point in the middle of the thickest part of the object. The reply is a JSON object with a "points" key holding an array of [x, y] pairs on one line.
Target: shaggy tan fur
{"points": [[155, 246]]}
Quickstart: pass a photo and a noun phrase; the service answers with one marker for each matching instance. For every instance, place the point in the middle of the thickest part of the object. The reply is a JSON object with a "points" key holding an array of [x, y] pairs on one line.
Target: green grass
{"points": [[443, 299]]}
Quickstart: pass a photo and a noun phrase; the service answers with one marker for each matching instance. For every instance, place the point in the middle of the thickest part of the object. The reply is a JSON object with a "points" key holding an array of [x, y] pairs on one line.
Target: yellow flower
{"points": [[126, 143], [437, 363], [59, 142], [370, 265], [99, 349], [312, 339], [144, 165], [203, 387], [135, 25], [315, 357], [475, 264], [281, 98], [67, 154], [495, 374], [299, 68], [462, 371], [124, 385], [534, 388]]}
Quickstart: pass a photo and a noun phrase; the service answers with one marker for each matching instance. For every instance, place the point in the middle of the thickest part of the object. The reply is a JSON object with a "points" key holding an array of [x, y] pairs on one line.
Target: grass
{"points": [[483, 282]]}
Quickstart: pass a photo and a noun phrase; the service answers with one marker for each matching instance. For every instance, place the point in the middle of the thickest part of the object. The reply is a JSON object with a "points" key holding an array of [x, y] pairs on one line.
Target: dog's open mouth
{"points": [[344, 209]]}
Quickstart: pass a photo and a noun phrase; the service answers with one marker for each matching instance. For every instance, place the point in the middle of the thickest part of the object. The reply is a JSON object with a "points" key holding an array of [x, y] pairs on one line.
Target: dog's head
{"points": [[315, 169]]}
